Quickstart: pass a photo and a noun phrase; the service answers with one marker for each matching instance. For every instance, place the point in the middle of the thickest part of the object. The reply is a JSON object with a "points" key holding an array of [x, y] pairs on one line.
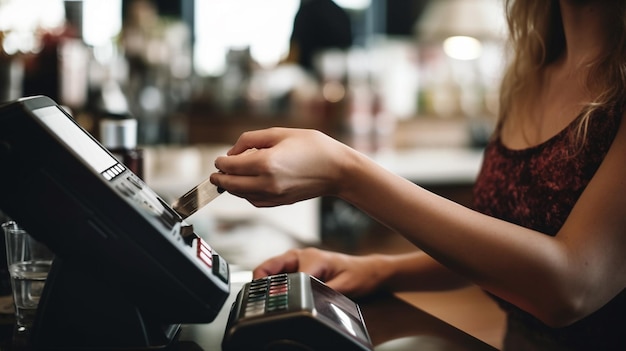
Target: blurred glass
{"points": [[29, 262]]}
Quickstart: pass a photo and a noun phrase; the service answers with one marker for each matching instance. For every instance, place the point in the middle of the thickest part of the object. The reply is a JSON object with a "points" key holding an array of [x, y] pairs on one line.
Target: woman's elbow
{"points": [[564, 312]]}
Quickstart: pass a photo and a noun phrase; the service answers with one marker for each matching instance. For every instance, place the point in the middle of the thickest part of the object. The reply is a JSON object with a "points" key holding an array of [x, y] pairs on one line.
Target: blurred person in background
{"points": [[319, 25], [547, 234]]}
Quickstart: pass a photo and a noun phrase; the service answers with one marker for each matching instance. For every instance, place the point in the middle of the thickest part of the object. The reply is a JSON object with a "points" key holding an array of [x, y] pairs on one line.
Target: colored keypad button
{"points": [[266, 295]]}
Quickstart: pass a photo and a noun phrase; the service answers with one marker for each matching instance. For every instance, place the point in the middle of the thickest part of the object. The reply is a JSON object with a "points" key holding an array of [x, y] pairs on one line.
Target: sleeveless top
{"points": [[537, 188]]}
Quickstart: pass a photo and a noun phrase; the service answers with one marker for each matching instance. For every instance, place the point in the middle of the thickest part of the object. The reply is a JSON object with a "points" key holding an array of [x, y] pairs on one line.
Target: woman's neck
{"points": [[558, 101], [586, 32]]}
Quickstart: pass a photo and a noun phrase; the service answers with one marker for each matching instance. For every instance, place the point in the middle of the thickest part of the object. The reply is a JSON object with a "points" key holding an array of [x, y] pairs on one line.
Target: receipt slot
{"points": [[129, 270]]}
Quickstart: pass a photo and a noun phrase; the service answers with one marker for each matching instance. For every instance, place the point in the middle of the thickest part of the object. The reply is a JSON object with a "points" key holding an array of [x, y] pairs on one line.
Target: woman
{"points": [[547, 237]]}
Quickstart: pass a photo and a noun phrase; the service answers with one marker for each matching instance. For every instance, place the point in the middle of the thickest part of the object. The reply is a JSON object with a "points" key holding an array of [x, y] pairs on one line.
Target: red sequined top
{"points": [[537, 188]]}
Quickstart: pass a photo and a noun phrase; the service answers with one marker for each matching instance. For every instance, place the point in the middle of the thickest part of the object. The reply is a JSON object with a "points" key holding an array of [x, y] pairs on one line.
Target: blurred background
{"points": [[413, 83], [358, 67]]}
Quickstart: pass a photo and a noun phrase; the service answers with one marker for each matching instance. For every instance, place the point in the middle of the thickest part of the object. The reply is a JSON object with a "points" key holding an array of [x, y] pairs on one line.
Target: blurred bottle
{"points": [[118, 127], [118, 133]]}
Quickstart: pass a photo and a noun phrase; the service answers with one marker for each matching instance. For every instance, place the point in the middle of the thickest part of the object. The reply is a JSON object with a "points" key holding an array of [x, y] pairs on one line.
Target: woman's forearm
{"points": [[416, 271]]}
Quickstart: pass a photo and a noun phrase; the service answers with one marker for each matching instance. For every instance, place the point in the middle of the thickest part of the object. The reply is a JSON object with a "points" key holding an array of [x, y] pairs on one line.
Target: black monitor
{"points": [[128, 269]]}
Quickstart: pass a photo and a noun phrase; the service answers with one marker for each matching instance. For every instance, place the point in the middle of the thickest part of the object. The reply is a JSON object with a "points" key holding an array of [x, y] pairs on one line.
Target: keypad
{"points": [[266, 295]]}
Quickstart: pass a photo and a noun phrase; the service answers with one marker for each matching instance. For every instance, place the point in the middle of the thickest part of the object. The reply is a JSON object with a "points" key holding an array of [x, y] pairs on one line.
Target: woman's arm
{"points": [[558, 279]]}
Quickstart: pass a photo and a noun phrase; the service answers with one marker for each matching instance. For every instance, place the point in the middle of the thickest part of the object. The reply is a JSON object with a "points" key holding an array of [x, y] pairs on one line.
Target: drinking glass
{"points": [[29, 262]]}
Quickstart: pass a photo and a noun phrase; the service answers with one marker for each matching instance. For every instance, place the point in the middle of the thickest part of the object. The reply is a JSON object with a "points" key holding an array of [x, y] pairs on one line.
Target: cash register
{"points": [[129, 270]]}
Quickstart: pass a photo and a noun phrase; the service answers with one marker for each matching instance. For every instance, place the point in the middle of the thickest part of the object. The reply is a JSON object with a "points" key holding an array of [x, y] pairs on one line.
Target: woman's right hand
{"points": [[350, 275], [279, 166]]}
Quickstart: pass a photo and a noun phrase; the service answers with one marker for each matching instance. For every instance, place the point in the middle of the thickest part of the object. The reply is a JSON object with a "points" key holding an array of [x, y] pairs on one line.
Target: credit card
{"points": [[196, 198], [199, 196]]}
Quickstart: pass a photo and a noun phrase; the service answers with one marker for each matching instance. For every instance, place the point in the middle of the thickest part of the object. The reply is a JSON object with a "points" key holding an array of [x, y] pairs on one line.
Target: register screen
{"points": [[75, 138]]}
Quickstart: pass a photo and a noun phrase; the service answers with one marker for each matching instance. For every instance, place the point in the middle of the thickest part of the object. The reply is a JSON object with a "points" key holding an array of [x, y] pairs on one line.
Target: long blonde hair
{"points": [[537, 39]]}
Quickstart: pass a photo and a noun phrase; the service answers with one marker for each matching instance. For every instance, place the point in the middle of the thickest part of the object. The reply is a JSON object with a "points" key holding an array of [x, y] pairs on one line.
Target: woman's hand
{"points": [[279, 166], [351, 275]]}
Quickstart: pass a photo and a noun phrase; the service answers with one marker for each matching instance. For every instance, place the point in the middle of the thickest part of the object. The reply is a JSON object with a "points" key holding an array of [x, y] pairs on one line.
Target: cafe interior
{"points": [[411, 83]]}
